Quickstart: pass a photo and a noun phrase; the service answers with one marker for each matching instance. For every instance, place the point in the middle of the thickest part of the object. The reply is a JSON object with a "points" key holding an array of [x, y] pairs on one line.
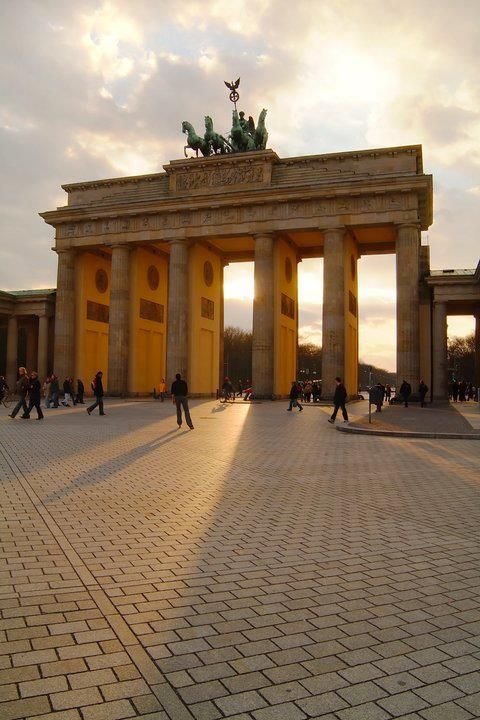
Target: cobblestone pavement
{"points": [[263, 566]]}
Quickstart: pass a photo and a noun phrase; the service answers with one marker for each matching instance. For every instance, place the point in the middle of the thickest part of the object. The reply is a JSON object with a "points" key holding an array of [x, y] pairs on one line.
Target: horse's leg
{"points": [[185, 150]]}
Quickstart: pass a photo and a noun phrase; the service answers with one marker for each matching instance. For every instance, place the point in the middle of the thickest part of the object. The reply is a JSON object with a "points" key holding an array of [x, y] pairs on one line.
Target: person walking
{"points": [[54, 392], [454, 391], [97, 387], [339, 400], [3, 387], [422, 391], [21, 388], [34, 397], [67, 392], [294, 395], [163, 389], [80, 392], [405, 392], [307, 391], [179, 392], [388, 393]]}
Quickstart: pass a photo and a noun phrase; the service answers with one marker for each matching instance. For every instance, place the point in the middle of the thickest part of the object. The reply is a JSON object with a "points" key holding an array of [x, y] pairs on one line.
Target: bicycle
{"points": [[6, 399]]}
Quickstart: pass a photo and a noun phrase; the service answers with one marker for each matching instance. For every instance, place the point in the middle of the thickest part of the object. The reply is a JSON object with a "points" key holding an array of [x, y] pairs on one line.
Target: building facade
{"points": [[141, 259], [26, 331]]}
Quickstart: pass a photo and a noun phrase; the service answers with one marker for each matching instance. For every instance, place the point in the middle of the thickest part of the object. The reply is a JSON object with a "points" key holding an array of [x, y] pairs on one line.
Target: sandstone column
{"points": [[221, 363], [118, 321], [439, 360], [262, 349], [477, 350], [177, 316], [408, 272], [42, 354], [333, 333], [12, 349], [65, 315]]}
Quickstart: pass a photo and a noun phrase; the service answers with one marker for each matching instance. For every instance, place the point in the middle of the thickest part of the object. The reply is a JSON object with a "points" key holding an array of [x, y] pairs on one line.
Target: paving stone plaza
{"points": [[261, 567]]}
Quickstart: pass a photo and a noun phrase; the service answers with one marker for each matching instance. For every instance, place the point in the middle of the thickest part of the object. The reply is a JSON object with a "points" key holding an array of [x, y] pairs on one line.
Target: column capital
{"points": [[259, 235], [335, 229], [180, 241], [120, 246], [408, 225]]}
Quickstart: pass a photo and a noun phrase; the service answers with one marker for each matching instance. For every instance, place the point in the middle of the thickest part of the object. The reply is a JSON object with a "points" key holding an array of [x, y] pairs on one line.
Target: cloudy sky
{"points": [[98, 88]]}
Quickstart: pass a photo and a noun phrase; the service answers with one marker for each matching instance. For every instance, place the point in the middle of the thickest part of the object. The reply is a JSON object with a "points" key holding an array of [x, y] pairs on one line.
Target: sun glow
{"points": [[238, 282]]}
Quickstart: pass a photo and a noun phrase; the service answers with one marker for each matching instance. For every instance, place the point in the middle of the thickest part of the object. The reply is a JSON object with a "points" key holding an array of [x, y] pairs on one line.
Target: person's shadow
{"points": [[110, 467]]}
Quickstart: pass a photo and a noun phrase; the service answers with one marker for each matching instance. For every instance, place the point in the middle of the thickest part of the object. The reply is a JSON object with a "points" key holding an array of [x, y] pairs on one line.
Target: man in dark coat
{"points": [[97, 387], [294, 395], [422, 391], [405, 392], [21, 390], [179, 392], [339, 400], [80, 392], [34, 396]]}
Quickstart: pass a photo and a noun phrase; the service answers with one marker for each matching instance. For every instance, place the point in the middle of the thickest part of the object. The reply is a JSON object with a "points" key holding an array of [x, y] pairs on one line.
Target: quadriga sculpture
{"points": [[243, 137]]}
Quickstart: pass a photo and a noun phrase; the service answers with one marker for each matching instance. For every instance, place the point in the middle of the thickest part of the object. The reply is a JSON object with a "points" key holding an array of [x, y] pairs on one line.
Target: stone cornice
{"points": [[111, 182], [202, 163], [351, 190]]}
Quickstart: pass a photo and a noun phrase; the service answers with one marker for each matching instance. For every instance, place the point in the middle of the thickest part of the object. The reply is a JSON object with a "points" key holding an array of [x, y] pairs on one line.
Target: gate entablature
{"points": [[248, 193]]}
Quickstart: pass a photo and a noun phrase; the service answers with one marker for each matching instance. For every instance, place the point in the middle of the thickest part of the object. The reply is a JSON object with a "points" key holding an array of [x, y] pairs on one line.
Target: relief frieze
{"points": [[222, 177], [231, 215]]}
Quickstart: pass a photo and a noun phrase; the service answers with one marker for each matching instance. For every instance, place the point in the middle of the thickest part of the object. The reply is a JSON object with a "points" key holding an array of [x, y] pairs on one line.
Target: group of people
{"points": [[298, 390], [51, 392], [461, 391], [380, 393], [29, 388]]}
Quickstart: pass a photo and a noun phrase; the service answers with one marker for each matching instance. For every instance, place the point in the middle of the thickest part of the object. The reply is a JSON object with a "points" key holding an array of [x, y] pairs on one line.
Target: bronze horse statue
{"points": [[194, 141], [216, 142]]}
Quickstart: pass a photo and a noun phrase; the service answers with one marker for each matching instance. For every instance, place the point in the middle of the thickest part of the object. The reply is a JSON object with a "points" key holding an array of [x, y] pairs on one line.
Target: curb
{"points": [[408, 433]]}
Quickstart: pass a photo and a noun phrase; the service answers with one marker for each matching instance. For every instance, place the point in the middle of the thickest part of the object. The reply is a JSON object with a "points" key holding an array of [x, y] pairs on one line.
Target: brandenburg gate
{"points": [[141, 261]]}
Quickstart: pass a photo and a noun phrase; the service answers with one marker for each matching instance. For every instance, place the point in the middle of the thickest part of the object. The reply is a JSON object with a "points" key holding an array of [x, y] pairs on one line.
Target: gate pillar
{"points": [[440, 362], [118, 335], [65, 315], [340, 312], [177, 328], [262, 349], [407, 248]]}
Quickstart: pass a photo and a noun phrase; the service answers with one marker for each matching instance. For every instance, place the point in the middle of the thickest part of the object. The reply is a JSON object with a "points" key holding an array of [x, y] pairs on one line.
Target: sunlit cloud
{"points": [[124, 157], [208, 60]]}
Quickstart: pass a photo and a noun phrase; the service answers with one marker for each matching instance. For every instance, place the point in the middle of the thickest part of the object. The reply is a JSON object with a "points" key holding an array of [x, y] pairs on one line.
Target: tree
{"points": [[309, 361], [461, 358], [237, 353]]}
